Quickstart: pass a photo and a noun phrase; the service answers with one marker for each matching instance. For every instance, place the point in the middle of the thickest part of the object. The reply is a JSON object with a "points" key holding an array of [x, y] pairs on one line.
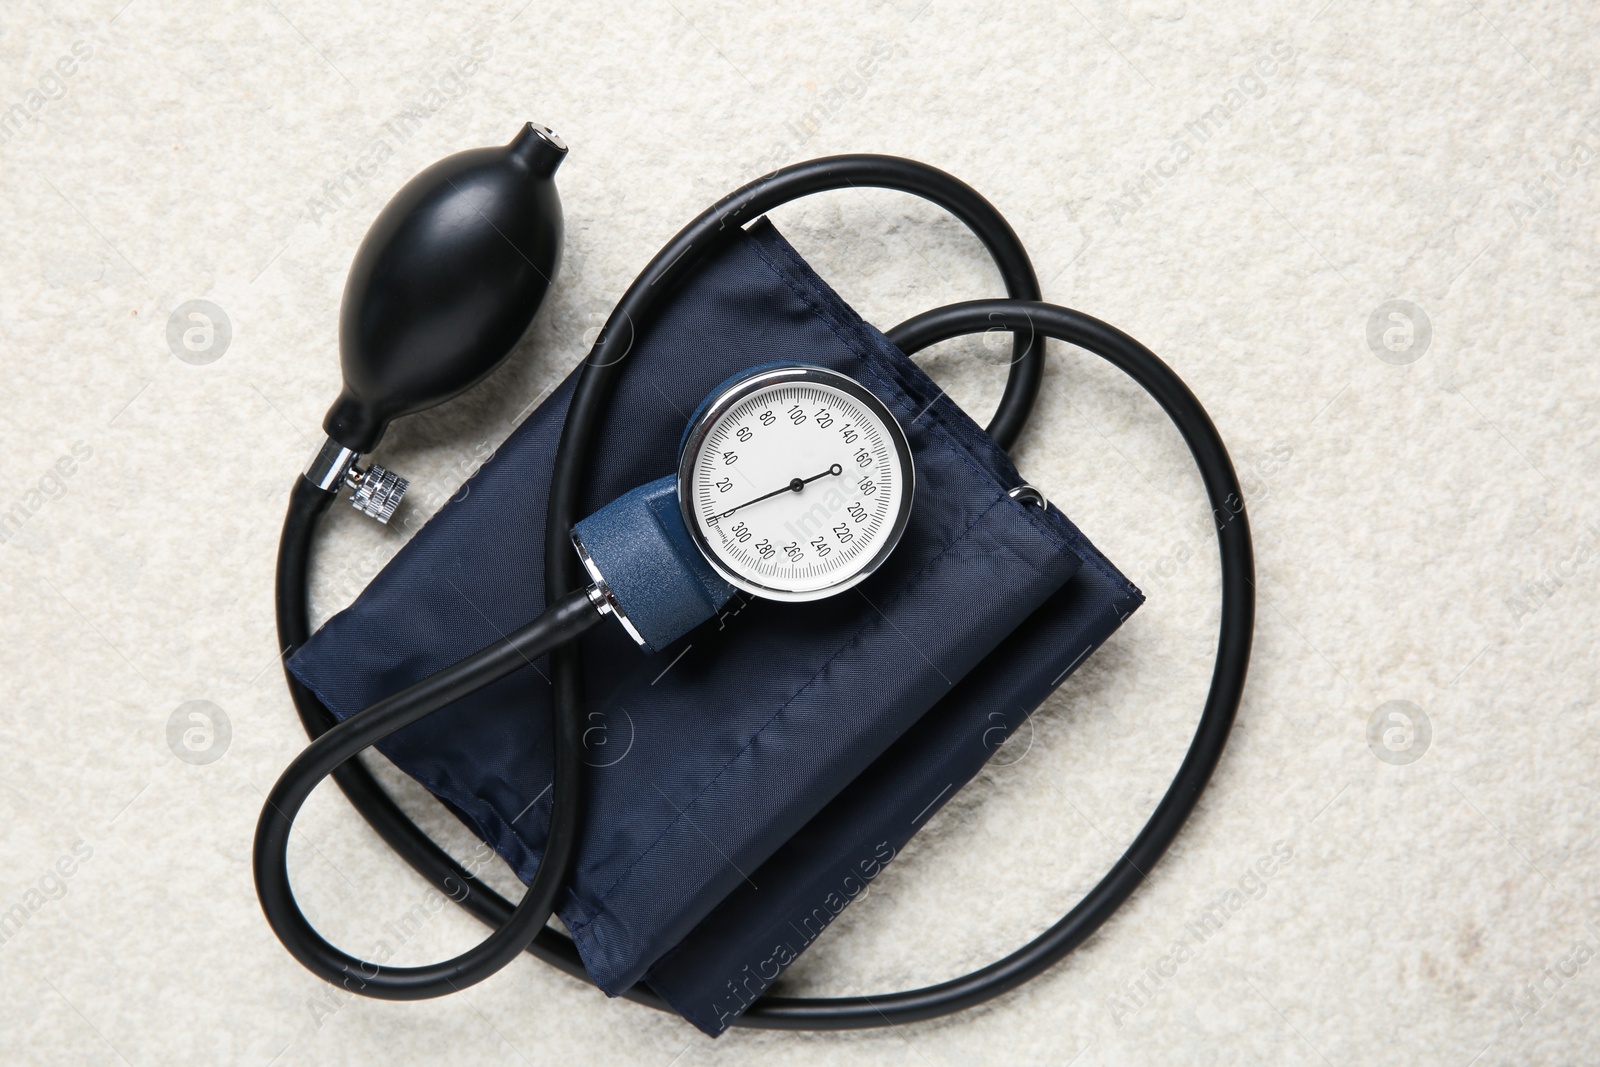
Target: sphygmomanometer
{"points": [[831, 594]]}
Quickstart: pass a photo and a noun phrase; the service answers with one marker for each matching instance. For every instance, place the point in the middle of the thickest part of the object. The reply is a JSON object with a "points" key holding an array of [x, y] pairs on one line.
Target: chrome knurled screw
{"points": [[377, 491]]}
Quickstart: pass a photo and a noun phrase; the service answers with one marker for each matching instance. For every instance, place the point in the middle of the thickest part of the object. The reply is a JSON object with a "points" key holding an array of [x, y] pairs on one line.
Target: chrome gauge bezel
{"points": [[706, 419]]}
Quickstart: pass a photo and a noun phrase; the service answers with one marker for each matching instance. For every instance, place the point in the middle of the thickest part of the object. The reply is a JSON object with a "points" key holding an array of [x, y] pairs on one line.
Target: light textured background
{"points": [[1426, 530]]}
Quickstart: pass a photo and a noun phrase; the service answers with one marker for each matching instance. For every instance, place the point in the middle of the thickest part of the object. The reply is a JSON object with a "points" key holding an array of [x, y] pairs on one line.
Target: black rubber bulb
{"points": [[446, 282]]}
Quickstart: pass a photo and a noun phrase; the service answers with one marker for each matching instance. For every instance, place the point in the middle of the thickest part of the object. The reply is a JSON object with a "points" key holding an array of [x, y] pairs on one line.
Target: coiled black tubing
{"points": [[523, 927]]}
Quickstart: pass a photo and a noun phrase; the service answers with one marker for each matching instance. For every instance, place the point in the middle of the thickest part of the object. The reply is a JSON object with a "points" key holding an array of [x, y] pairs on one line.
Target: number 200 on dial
{"points": [[796, 482]]}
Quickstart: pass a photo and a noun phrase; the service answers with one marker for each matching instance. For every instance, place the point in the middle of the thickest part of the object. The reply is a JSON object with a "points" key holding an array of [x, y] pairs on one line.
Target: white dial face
{"points": [[798, 489]]}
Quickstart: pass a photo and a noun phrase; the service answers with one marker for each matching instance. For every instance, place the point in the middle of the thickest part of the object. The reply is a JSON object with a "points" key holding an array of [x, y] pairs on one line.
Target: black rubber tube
{"points": [[307, 504], [559, 624], [1031, 321]]}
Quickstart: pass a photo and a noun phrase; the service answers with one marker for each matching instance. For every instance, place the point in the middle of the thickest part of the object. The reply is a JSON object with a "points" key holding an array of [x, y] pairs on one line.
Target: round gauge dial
{"points": [[795, 482]]}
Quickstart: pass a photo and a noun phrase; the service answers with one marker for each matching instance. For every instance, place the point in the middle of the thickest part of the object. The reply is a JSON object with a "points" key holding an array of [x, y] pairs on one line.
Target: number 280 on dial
{"points": [[795, 482]]}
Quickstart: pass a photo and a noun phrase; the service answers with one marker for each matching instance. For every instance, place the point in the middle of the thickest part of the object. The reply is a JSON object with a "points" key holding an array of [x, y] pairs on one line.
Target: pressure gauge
{"points": [[795, 482]]}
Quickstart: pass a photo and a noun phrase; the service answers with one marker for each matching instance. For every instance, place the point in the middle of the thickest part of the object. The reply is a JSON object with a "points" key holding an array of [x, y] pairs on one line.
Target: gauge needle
{"points": [[794, 486]]}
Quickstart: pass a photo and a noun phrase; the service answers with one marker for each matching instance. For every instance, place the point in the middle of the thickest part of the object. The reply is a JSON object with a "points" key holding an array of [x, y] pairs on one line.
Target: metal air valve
{"points": [[377, 490]]}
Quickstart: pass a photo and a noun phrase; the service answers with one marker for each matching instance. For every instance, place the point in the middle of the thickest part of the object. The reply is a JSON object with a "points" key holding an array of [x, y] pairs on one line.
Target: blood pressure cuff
{"points": [[747, 782]]}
